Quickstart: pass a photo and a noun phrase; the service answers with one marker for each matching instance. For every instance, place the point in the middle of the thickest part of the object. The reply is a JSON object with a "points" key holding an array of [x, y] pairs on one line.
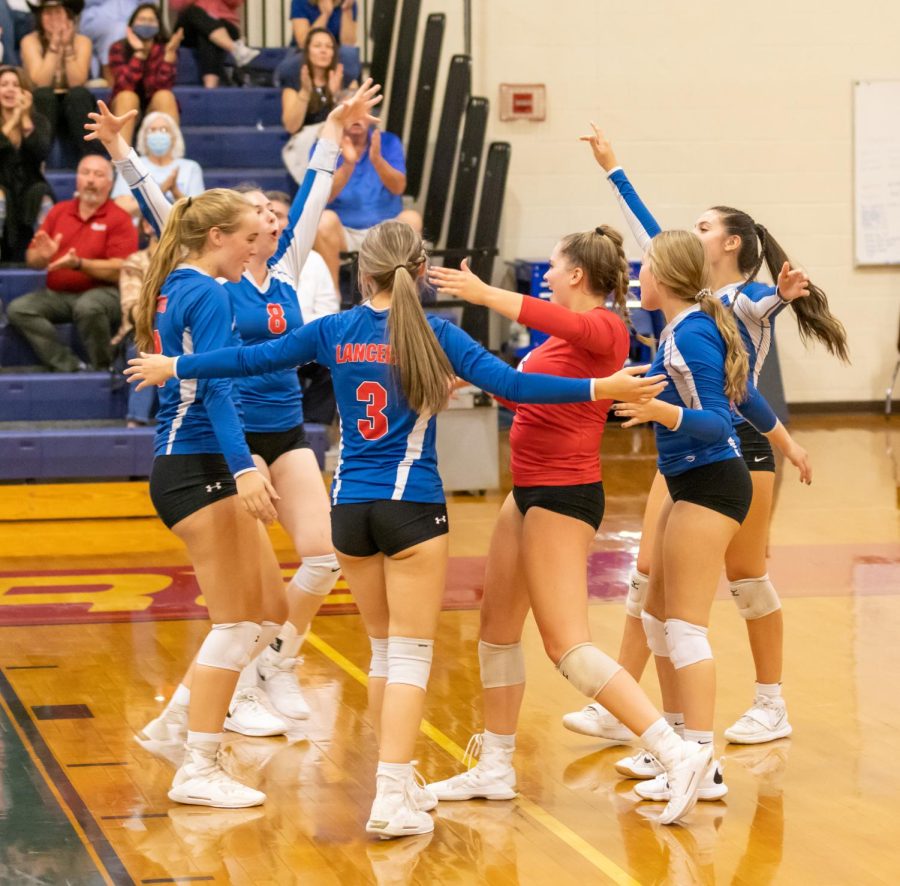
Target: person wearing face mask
{"points": [[160, 143], [81, 244], [143, 67]]}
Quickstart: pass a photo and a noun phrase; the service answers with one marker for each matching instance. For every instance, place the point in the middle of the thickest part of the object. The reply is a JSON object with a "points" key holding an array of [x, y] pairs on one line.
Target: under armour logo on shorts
{"points": [[439, 520], [213, 486]]}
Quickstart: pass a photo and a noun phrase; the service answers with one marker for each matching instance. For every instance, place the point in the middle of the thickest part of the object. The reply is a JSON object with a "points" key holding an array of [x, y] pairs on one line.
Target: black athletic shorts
{"points": [[723, 486], [269, 445], [583, 502], [182, 484], [757, 450], [388, 527]]}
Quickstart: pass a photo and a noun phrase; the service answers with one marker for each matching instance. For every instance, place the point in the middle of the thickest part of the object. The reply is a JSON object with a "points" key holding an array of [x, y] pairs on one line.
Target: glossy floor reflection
{"points": [[83, 802]]}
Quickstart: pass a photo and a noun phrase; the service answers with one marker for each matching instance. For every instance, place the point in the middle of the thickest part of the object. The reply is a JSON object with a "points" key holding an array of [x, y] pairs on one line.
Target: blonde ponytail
{"points": [[600, 254], [184, 234], [677, 260], [389, 261]]}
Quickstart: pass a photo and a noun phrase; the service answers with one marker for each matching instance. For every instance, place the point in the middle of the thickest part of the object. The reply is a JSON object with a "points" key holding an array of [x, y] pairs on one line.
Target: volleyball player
{"points": [[736, 248], [265, 304], [393, 368]]}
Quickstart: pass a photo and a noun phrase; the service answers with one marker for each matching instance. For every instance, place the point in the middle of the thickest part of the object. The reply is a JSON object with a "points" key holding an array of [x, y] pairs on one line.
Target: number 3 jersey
{"points": [[387, 450]]}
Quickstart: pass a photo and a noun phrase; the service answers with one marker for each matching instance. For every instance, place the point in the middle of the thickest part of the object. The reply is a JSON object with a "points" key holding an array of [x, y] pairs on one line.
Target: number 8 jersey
{"points": [[387, 451]]}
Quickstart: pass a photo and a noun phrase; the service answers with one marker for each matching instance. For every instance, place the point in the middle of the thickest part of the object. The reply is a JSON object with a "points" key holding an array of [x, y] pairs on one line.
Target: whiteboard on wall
{"points": [[876, 160]]}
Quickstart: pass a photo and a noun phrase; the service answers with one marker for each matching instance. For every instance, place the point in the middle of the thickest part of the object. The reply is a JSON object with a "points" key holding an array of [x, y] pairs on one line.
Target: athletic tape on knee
{"points": [[409, 661], [501, 665], [688, 643], [637, 593], [755, 597], [378, 666], [655, 632], [588, 669], [229, 646], [318, 575]]}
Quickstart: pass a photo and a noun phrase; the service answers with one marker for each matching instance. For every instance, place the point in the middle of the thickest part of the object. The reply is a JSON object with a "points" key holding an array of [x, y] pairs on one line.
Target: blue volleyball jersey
{"points": [[274, 401], [754, 305], [193, 314], [692, 356], [387, 451]]}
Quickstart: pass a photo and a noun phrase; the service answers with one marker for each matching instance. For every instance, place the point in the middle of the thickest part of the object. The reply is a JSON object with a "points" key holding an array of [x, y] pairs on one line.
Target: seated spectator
{"points": [[338, 17], [82, 244], [141, 404], [212, 28], [306, 102], [367, 189], [15, 23], [24, 145], [104, 22], [161, 144], [143, 68], [57, 60]]}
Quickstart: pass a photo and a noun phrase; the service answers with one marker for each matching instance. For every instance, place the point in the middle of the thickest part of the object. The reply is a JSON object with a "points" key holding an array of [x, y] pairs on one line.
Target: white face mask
{"points": [[159, 143]]}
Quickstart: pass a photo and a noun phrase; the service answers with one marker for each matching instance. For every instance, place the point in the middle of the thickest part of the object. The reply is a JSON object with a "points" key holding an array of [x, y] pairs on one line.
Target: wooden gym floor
{"points": [[99, 616]]}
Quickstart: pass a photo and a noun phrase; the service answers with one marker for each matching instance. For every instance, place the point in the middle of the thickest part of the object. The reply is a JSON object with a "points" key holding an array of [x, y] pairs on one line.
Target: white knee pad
{"points": [[501, 665], [637, 593], [409, 661], [688, 643], [229, 646], [318, 575], [755, 597], [655, 632], [378, 666], [588, 669]]}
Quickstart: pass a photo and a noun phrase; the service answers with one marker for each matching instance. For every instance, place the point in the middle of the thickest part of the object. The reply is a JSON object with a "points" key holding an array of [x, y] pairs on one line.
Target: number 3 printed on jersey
{"points": [[277, 322], [375, 425]]}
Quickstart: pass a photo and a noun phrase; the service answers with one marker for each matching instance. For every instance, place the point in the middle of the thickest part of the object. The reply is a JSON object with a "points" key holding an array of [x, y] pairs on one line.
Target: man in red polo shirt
{"points": [[82, 244]]}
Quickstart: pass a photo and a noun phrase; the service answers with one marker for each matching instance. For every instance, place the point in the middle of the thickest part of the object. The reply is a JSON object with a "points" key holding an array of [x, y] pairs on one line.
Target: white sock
{"points": [[399, 771], [247, 677], [287, 644], [202, 739], [769, 690], [496, 740], [676, 721], [700, 736], [663, 742], [181, 696]]}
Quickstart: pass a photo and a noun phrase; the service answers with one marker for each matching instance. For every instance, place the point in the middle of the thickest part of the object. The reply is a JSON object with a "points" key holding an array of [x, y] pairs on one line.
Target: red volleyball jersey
{"points": [[559, 445]]}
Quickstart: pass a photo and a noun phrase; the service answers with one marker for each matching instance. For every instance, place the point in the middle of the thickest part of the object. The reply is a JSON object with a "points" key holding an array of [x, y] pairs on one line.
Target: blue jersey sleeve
{"points": [[298, 237], [759, 306], [755, 408], [299, 346], [473, 363], [642, 223], [150, 198], [210, 323], [709, 425]]}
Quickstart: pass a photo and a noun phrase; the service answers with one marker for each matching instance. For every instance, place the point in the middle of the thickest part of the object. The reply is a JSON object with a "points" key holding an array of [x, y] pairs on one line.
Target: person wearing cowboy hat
{"points": [[57, 59]]}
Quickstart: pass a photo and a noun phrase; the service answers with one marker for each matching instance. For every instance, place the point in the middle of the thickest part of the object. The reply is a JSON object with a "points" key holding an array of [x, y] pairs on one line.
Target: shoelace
{"points": [[473, 749], [288, 664], [761, 702]]}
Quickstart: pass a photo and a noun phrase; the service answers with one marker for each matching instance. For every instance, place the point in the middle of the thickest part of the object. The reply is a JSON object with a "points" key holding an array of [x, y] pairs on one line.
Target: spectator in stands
{"points": [[141, 404], [82, 244], [24, 144], [104, 22], [308, 99], [57, 60], [143, 67], [161, 144], [338, 17], [15, 23], [367, 189], [212, 27]]}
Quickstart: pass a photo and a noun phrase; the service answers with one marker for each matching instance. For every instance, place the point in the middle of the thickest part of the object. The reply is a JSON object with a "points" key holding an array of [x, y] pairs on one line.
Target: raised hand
{"points": [[348, 151], [306, 84], [173, 45], [150, 370], [347, 4], [107, 127], [356, 108], [460, 284], [167, 186], [326, 7], [336, 79], [134, 41], [603, 150], [44, 246], [69, 259], [792, 283]]}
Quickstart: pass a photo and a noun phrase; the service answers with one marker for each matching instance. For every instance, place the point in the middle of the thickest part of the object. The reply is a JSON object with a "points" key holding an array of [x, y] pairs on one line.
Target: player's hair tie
{"points": [[599, 231], [190, 200], [397, 268], [706, 292]]}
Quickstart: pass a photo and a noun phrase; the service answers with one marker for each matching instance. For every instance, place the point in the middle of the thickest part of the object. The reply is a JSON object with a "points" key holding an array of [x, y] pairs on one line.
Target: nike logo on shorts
{"points": [[760, 458]]}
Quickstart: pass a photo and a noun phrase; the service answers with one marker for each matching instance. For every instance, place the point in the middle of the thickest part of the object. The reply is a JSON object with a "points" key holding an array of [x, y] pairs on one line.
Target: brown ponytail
{"points": [[184, 234], [677, 260], [389, 261], [814, 317], [599, 253]]}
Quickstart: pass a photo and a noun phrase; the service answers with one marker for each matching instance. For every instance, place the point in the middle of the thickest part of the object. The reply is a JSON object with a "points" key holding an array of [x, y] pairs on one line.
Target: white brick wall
{"points": [[706, 102]]}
